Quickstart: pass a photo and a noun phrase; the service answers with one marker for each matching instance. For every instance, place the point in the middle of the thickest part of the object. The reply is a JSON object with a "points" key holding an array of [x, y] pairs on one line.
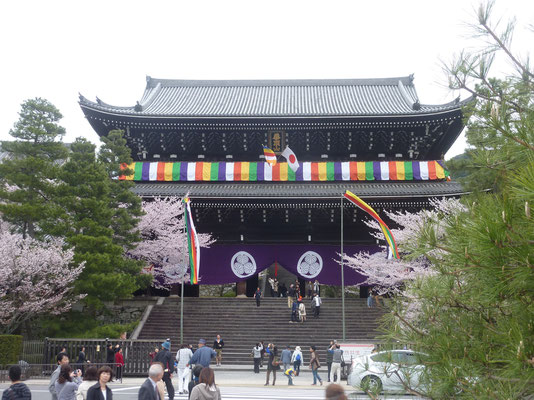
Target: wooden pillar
{"points": [[241, 288], [175, 289]]}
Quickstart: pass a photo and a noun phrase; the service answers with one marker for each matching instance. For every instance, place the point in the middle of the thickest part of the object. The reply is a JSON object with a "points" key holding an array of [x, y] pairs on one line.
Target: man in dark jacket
{"points": [[165, 357], [290, 295], [110, 354], [148, 390], [294, 312], [17, 390]]}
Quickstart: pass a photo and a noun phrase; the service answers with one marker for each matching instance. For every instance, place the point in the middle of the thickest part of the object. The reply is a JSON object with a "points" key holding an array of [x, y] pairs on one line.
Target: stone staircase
{"points": [[241, 324]]}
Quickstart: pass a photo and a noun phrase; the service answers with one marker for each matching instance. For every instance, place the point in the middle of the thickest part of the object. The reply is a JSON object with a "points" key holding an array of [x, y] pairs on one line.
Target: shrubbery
{"points": [[78, 325], [10, 349]]}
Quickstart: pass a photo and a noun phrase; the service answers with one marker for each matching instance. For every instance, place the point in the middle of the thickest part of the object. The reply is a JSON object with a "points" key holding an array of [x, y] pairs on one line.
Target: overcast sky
{"points": [[106, 48]]}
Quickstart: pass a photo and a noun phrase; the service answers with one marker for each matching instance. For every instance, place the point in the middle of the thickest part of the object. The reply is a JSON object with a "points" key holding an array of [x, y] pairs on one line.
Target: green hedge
{"points": [[79, 325], [107, 331], [10, 349]]}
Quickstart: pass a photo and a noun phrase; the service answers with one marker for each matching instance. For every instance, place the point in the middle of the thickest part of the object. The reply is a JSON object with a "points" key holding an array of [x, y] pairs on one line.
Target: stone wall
{"points": [[123, 311], [217, 290]]}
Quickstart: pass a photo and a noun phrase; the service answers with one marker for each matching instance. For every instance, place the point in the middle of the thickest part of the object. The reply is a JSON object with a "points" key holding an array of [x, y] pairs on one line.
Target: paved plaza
{"points": [[234, 385]]}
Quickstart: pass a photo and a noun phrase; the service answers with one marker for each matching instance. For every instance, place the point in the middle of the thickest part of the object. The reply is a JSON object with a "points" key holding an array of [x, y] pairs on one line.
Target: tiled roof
{"points": [[275, 98], [254, 190]]}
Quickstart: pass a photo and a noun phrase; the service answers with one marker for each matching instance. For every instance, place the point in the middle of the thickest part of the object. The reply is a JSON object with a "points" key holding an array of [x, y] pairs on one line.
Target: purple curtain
{"points": [[232, 263]]}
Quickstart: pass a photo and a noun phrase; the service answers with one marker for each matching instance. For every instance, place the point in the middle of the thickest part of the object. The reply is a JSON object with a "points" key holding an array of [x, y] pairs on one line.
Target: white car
{"points": [[392, 370]]}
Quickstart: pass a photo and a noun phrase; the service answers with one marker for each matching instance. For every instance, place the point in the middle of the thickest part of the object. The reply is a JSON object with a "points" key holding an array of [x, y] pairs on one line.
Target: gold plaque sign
{"points": [[277, 141]]}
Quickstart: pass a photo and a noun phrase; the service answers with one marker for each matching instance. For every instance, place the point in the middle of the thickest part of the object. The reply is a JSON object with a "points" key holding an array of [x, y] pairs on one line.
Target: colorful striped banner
{"points": [[369, 210], [192, 242], [309, 171]]}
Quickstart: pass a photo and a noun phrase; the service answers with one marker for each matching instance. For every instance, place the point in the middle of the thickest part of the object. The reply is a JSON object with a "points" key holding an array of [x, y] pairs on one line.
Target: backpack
{"points": [[298, 358]]}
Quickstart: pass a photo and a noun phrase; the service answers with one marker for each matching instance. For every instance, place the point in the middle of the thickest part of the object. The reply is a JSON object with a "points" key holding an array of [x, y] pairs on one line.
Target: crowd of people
{"points": [[195, 377], [295, 290], [295, 297], [291, 362], [68, 383], [84, 381]]}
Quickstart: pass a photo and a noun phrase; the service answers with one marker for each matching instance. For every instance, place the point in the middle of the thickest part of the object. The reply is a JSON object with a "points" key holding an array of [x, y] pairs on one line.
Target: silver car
{"points": [[392, 370]]}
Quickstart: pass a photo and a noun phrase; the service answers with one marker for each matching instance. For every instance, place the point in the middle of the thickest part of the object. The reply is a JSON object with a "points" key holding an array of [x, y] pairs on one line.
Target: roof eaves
{"points": [[406, 80], [456, 103], [304, 191], [100, 105], [130, 112]]}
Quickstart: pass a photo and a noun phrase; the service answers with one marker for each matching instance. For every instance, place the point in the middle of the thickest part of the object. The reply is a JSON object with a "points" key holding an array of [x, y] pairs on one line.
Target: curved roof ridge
{"points": [[101, 104], [456, 102], [406, 80], [148, 97], [412, 103]]}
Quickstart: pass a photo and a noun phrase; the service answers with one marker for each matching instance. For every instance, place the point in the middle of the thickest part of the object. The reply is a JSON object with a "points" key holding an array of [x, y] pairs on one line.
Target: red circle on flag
{"points": [[292, 159]]}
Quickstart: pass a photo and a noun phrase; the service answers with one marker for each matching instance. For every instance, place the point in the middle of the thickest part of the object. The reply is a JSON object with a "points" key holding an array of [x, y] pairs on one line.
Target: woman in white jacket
{"points": [[89, 380], [302, 312], [297, 360]]}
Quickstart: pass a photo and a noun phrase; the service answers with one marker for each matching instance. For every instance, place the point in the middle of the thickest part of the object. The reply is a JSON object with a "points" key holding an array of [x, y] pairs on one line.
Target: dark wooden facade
{"points": [[321, 120]]}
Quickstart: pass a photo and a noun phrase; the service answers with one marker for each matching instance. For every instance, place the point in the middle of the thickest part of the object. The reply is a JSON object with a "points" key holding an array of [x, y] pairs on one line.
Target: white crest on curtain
{"points": [[243, 264], [310, 264]]}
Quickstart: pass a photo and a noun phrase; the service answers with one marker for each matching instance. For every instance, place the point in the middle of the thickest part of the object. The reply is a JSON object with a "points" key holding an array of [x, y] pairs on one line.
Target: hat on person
{"points": [[166, 345], [201, 341]]}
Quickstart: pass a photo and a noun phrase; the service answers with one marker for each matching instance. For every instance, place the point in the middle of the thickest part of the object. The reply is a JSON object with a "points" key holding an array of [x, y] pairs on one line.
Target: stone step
{"points": [[242, 324]]}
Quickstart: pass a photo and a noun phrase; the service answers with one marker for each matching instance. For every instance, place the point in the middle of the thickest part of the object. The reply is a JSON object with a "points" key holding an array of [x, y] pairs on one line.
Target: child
{"points": [[194, 381], [290, 373]]}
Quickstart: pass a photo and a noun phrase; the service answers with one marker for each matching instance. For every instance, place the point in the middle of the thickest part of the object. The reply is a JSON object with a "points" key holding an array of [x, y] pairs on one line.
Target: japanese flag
{"points": [[291, 159]]}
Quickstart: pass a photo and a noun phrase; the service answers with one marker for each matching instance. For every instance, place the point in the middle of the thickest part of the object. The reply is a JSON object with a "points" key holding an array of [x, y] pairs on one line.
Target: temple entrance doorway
{"points": [[252, 285], [284, 277]]}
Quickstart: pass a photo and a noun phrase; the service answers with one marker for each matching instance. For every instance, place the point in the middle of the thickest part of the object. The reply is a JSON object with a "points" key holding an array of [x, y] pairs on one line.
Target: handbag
{"points": [[275, 362]]}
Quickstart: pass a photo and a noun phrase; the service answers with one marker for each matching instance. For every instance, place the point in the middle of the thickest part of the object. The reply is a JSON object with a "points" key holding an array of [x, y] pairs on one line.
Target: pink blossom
{"points": [[164, 244], [391, 275], [37, 278]]}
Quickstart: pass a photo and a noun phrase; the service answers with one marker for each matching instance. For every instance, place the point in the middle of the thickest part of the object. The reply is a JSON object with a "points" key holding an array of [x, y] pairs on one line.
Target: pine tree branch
{"points": [[371, 395], [515, 380], [408, 387], [503, 47], [519, 141], [413, 328], [517, 107]]}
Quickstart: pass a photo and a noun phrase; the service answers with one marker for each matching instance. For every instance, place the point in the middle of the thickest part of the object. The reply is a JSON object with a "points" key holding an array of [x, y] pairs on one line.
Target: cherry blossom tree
{"points": [[37, 278], [388, 275], [164, 244]]}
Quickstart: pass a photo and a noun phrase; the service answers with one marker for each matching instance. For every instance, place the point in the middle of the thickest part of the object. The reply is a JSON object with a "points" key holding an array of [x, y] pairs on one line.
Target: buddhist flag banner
{"points": [[192, 242], [285, 172], [291, 158], [369, 210], [270, 157]]}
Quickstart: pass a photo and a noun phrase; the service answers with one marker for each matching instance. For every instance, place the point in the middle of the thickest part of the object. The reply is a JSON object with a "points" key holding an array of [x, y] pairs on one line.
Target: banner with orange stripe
{"points": [[310, 171]]}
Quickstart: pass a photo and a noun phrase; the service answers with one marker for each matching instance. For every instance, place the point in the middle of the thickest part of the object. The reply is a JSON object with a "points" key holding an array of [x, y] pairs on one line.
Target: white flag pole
{"points": [[342, 277]]}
